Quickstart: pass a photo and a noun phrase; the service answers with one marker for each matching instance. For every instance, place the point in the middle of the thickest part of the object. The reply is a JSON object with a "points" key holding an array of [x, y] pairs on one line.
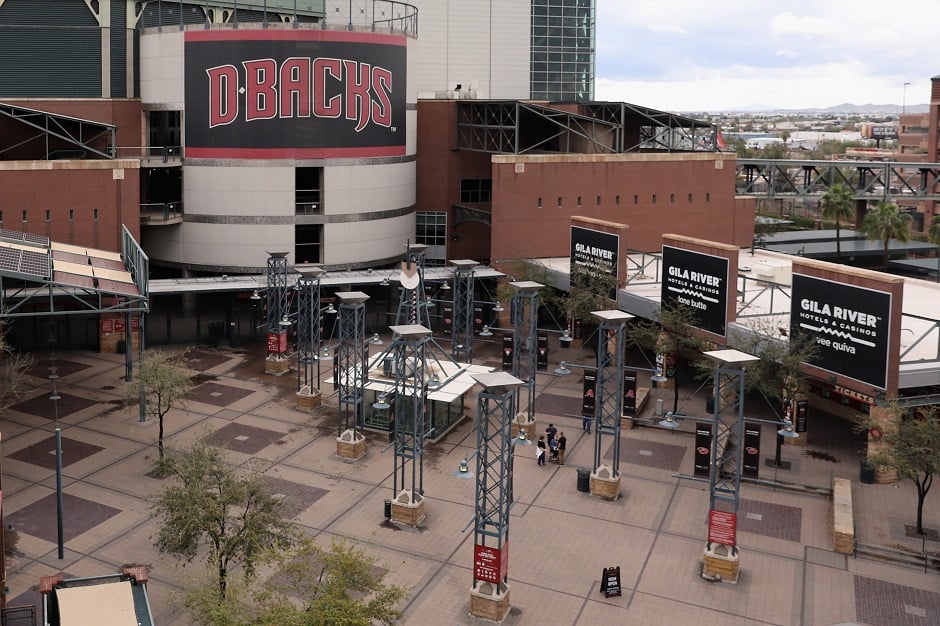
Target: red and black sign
{"points": [[277, 342], [107, 326], [589, 395], [802, 409], [541, 357], [610, 581], [629, 394], [507, 352], [447, 318], [288, 94], [751, 462], [703, 449], [478, 318]]}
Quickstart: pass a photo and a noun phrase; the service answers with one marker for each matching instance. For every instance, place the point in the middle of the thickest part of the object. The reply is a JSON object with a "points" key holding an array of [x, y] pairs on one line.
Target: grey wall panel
{"points": [[118, 45], [44, 62], [46, 13]]}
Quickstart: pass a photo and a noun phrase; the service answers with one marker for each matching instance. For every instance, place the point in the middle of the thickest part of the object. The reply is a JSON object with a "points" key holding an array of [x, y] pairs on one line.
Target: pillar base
{"points": [[522, 422], [351, 445], [406, 511], [489, 601], [802, 440], [276, 365], [604, 484], [309, 398], [720, 563]]}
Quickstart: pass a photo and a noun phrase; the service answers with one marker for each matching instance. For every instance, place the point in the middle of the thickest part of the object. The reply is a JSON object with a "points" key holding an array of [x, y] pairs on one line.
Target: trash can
{"points": [[388, 509], [866, 474], [584, 479], [121, 346]]}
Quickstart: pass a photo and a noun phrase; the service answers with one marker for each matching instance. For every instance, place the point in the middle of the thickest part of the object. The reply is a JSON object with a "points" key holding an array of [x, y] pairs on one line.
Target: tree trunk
{"points": [[222, 578], [160, 437], [921, 496]]}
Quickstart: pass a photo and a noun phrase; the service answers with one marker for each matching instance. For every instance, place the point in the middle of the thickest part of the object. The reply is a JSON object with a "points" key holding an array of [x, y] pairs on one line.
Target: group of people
{"points": [[556, 446]]}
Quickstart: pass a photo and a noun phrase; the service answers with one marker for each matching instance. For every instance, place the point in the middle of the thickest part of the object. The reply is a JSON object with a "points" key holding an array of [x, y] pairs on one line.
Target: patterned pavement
{"points": [[562, 538]]}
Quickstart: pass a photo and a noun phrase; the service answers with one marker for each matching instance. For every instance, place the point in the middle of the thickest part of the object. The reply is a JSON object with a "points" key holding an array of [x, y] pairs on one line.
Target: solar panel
{"points": [[15, 235], [35, 263], [24, 263]]}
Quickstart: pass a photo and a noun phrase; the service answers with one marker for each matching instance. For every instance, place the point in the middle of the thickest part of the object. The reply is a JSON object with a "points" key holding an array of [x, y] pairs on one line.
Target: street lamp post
{"points": [[350, 373], [462, 328], [308, 338]]}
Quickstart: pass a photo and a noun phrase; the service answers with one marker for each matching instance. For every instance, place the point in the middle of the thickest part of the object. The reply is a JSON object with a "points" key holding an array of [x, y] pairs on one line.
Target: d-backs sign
{"points": [[698, 281], [594, 259], [285, 94], [851, 326]]}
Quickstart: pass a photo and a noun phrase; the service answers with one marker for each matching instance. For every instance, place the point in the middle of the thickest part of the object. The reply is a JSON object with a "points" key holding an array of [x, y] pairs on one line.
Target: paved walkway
{"points": [[561, 538]]}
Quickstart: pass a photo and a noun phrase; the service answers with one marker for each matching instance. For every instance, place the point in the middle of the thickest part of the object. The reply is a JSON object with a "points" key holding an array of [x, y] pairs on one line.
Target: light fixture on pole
{"points": [[285, 321], [563, 369], [498, 308], [463, 470], [669, 421], [330, 309], [435, 381], [786, 431], [486, 332], [445, 286], [565, 339], [376, 340], [325, 355], [522, 439], [381, 402], [255, 295]]}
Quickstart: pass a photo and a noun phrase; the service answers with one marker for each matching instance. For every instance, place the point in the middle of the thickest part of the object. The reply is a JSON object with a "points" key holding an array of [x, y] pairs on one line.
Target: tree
{"points": [[315, 586], [933, 236], [910, 445], [13, 366], [887, 222], [838, 204], [211, 504], [162, 382]]}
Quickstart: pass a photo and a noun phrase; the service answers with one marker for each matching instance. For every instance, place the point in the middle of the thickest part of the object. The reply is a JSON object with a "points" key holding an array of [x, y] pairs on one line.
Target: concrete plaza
{"points": [[561, 539]]}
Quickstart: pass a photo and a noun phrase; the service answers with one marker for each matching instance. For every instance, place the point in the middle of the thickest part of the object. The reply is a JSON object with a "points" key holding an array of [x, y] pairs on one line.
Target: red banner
{"points": [[277, 343], [722, 527], [107, 326], [135, 324], [489, 563], [119, 325]]}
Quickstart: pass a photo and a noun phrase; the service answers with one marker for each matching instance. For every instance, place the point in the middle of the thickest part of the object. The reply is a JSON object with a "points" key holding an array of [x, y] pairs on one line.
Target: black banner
{"points": [[802, 409], [447, 317], [703, 449], [629, 394], [851, 326], [593, 259], [610, 581], [578, 329], [699, 282], [293, 94], [751, 463], [507, 352], [478, 318], [541, 358], [589, 396]]}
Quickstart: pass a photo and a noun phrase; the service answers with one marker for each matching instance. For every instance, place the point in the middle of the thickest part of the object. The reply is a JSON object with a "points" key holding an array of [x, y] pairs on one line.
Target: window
{"points": [[431, 228], [24, 217], [636, 199], [654, 198], [617, 199], [71, 215], [308, 240], [540, 203], [96, 214], [307, 186], [476, 190], [672, 198], [598, 200], [579, 200], [690, 197], [559, 202], [1, 216], [708, 197], [48, 215]]}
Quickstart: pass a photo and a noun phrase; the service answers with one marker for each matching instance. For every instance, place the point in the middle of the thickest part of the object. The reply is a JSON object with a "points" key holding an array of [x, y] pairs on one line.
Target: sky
{"points": [[726, 55]]}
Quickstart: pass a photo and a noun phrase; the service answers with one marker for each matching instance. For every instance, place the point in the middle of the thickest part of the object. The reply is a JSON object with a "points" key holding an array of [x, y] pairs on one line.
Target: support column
{"points": [[409, 348], [721, 552], [412, 300], [308, 339], [276, 312], [611, 341], [524, 312], [352, 357], [462, 330], [489, 592]]}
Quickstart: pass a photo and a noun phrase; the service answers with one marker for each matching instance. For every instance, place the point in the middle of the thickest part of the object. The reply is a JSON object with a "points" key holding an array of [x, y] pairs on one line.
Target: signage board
{"points": [[703, 450], [294, 94], [750, 467], [541, 357], [802, 409], [107, 326], [629, 394], [589, 393], [850, 325], [722, 527], [610, 581], [699, 282], [488, 563], [277, 342], [507, 352], [594, 259], [119, 325]]}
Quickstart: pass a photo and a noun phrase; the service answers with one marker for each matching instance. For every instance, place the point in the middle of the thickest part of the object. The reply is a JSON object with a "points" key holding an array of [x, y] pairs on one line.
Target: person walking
{"points": [[562, 440], [551, 432], [586, 423], [540, 450]]}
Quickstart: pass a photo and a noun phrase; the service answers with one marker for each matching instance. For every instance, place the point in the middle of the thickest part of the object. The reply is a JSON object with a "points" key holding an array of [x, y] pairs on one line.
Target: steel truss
{"points": [[276, 293], [351, 361], [413, 303], [611, 343], [867, 180], [724, 480], [308, 329], [83, 137], [410, 359], [525, 308], [462, 330]]}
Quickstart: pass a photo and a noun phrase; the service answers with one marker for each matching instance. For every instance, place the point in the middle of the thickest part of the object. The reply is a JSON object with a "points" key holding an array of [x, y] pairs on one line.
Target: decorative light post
{"points": [[413, 301], [489, 593], [462, 330], [308, 339], [727, 439], [276, 309], [524, 312], [611, 342], [350, 373]]}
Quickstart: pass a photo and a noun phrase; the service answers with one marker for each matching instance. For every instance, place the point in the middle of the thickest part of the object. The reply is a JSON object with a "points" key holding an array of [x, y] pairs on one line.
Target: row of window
{"points": [[25, 215], [636, 199]]}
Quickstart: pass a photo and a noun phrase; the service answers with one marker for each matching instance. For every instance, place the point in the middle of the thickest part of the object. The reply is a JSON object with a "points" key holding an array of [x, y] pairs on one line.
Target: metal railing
{"points": [[161, 211], [159, 153]]}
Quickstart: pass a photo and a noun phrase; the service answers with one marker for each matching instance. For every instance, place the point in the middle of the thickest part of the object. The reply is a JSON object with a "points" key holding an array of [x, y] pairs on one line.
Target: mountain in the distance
{"points": [[846, 107]]}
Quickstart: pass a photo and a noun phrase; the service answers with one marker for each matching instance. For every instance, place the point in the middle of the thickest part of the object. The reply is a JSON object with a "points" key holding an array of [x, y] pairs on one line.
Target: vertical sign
{"points": [[477, 318], [629, 394], [594, 260], [447, 317], [722, 527], [507, 353], [589, 395], [610, 581], [802, 408], [541, 359], [107, 326], [699, 282], [751, 463], [487, 563], [703, 449]]}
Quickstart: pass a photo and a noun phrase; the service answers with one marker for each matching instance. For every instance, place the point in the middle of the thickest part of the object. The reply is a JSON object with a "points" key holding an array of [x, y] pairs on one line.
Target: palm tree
{"points": [[838, 204], [886, 222], [933, 236]]}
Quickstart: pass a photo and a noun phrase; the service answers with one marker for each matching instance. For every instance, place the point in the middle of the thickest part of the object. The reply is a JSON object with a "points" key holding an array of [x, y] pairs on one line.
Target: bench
{"points": [[843, 521]]}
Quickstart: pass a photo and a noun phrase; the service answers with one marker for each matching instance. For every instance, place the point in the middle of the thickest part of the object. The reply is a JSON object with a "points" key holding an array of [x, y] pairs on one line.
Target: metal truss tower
{"points": [[276, 292], [495, 409], [351, 360], [611, 346], [413, 300], [462, 331], [525, 309], [308, 328], [409, 347]]}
